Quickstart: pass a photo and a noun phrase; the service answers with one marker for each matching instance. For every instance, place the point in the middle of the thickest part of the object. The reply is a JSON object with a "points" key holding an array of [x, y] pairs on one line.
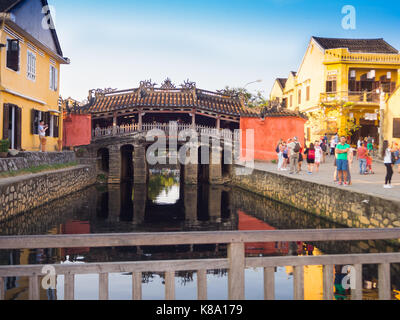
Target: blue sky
{"points": [[214, 43]]}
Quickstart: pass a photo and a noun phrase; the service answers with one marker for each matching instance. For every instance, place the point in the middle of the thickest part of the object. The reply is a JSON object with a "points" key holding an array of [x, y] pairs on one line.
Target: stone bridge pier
{"points": [[122, 159]]}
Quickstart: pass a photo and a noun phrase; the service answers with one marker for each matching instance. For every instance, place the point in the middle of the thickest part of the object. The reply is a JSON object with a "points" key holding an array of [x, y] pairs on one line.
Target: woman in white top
{"points": [[387, 159], [318, 155]]}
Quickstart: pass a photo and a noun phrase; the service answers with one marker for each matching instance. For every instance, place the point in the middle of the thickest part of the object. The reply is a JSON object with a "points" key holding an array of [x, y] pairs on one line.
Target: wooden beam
{"points": [[332, 259], [202, 284], [175, 238], [236, 260], [69, 286], [34, 287], [328, 281], [269, 283], [356, 293], [103, 286], [298, 282], [170, 285], [117, 267], [2, 288], [136, 285], [384, 288]]}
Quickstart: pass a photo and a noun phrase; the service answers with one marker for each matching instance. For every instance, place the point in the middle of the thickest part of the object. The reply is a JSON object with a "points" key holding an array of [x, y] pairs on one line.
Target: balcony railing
{"points": [[236, 262], [367, 97]]}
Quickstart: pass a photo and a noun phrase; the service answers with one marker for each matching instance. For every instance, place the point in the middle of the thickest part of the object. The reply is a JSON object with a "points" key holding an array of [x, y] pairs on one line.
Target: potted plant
{"points": [[4, 146]]}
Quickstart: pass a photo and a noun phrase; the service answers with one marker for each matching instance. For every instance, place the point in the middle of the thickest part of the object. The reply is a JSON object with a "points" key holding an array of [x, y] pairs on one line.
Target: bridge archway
{"points": [[127, 162], [103, 160]]}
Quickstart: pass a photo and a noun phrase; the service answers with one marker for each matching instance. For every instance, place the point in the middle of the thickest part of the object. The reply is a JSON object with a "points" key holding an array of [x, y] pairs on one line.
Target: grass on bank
{"points": [[37, 169]]}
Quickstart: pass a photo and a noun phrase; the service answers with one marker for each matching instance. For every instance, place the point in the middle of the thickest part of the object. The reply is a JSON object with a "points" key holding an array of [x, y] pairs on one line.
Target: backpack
{"points": [[277, 148], [323, 147], [311, 154], [296, 147]]}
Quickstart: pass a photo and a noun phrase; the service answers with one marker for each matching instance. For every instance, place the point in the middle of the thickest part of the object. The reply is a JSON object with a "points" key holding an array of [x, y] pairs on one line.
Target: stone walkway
{"points": [[371, 184]]}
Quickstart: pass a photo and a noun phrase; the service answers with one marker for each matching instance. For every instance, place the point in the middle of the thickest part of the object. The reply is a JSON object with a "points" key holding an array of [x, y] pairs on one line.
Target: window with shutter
{"points": [[53, 78], [13, 54], [396, 127], [56, 126], [31, 66]]}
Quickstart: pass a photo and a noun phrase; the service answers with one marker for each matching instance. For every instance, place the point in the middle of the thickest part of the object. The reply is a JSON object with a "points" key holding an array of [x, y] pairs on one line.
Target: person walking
{"points": [[310, 153], [362, 158], [300, 157], [319, 155], [333, 146], [293, 150], [388, 160], [350, 157], [280, 149], [341, 151]]}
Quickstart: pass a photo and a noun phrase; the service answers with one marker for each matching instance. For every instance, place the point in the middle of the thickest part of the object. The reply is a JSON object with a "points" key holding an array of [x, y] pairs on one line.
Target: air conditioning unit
{"points": [[389, 75], [352, 74]]}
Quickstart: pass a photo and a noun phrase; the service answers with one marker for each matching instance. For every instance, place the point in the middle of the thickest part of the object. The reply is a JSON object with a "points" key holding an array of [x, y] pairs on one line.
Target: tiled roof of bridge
{"points": [[166, 98]]}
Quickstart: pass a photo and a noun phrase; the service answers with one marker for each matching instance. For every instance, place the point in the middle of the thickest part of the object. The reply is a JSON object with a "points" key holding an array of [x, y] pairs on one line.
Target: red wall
{"points": [[267, 133], [77, 130]]}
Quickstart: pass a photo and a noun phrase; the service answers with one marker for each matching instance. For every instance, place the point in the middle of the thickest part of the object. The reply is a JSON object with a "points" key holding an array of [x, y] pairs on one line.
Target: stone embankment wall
{"points": [[31, 159], [23, 193], [343, 206]]}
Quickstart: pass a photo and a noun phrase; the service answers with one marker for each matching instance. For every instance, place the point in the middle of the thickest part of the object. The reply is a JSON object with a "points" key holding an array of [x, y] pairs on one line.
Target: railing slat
{"points": [[328, 282], [2, 288], [384, 281], [298, 282], [103, 286], [136, 285], [236, 260], [202, 284], [356, 293], [269, 283], [69, 286], [34, 287], [170, 285]]}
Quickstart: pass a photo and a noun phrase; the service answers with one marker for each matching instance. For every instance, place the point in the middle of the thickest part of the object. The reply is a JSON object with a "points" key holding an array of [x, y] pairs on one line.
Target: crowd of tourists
{"points": [[291, 155]]}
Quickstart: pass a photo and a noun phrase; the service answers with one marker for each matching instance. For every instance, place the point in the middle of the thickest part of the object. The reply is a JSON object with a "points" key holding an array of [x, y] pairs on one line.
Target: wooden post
{"points": [[298, 285], [140, 121], [33, 287], [136, 285], [236, 271], [193, 119], [69, 286], [328, 282], [2, 294], [170, 285], [202, 284], [103, 286], [356, 294], [269, 283], [385, 292]]}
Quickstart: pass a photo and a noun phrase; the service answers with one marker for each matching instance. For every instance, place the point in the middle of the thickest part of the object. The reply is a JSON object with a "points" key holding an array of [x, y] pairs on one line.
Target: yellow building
{"points": [[30, 59], [339, 84]]}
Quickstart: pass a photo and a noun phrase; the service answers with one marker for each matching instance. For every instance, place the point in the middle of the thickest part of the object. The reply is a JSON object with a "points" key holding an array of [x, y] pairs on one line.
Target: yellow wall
{"points": [[392, 110], [276, 91], [37, 90]]}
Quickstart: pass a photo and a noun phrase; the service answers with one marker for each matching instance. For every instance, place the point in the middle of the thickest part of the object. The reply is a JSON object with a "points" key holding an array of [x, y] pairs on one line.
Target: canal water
{"points": [[164, 205]]}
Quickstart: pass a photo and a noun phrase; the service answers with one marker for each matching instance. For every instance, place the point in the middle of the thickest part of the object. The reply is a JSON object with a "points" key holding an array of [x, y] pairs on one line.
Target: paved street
{"points": [[368, 184]]}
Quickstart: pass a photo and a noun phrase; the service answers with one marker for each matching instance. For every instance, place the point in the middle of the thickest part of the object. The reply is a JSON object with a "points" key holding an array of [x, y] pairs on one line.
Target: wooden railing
{"points": [[236, 262], [166, 127]]}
